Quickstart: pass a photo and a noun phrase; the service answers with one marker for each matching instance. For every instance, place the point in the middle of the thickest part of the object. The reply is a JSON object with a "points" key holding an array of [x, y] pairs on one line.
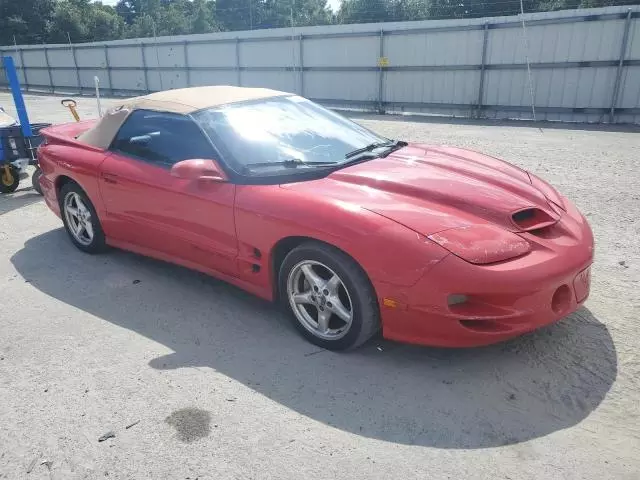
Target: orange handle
{"points": [[71, 105]]}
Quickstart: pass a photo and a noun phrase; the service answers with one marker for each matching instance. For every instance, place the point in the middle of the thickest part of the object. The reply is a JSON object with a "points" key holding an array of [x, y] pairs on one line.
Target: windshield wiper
{"points": [[392, 145], [368, 148], [289, 163]]}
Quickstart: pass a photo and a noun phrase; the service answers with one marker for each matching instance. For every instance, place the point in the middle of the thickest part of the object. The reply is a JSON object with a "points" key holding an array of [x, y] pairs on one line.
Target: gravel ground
{"points": [[222, 386]]}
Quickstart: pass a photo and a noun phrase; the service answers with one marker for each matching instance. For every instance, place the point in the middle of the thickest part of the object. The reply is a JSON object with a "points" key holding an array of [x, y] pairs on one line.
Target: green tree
{"points": [[364, 11], [27, 20], [203, 19], [83, 21]]}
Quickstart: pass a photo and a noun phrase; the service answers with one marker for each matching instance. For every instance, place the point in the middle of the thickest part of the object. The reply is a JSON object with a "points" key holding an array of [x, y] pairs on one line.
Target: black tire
{"points": [[364, 304], [35, 180], [9, 183], [98, 243]]}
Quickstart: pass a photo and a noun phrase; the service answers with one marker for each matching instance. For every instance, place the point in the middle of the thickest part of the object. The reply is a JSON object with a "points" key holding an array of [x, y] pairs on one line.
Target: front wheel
{"points": [[330, 298], [9, 179]]}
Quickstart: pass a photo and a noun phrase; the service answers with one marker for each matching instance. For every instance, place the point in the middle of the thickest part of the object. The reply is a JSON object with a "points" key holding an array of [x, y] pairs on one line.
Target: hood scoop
{"points": [[530, 219]]}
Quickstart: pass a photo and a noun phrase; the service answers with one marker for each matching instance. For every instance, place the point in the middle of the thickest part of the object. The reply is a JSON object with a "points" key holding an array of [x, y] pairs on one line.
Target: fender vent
{"points": [[532, 219]]}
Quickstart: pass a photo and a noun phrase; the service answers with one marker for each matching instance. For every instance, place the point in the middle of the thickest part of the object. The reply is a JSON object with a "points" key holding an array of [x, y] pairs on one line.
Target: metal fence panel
{"points": [[455, 87], [201, 78], [61, 58], [90, 58], [212, 55], [125, 57], [283, 81], [440, 48], [281, 53], [341, 52], [64, 79], [585, 65], [361, 86], [129, 80]]}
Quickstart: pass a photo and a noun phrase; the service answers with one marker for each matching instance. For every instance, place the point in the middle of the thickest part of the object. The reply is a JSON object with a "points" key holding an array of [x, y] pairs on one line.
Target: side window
{"points": [[161, 138]]}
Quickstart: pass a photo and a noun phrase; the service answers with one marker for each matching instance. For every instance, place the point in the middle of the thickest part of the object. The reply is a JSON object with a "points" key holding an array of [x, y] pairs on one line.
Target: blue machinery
{"points": [[17, 143]]}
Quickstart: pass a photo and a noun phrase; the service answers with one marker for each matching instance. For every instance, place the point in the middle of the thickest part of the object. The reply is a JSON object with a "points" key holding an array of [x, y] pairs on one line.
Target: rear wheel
{"points": [[9, 179], [80, 219], [330, 298], [35, 180]]}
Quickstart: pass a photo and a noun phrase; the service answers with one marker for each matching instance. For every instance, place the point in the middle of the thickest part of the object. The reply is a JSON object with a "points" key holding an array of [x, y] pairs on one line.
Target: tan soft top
{"points": [[182, 101]]}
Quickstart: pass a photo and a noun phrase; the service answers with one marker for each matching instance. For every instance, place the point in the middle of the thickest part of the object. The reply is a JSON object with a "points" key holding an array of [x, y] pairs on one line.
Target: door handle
{"points": [[109, 178]]}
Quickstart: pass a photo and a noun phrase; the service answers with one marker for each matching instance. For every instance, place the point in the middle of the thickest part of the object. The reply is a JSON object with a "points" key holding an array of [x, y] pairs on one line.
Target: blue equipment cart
{"points": [[18, 143]]}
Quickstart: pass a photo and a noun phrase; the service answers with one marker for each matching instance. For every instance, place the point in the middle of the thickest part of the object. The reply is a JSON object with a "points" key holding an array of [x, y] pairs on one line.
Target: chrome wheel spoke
{"points": [[88, 227], [312, 277], [332, 285], [302, 298], [73, 211], [323, 320], [340, 310]]}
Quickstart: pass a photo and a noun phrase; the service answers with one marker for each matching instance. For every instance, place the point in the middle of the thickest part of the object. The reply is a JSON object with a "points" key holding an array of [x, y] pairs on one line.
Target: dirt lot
{"points": [[222, 386]]}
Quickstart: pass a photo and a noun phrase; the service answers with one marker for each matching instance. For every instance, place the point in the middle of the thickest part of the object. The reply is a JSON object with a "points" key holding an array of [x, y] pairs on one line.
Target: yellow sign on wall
{"points": [[383, 62]]}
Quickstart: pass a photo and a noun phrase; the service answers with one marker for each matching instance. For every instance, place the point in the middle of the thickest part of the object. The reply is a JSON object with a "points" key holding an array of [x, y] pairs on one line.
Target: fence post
{"points": [[144, 68], [485, 36], [238, 73], [106, 62], [381, 75], [24, 70], [301, 62], [185, 46], [46, 58], [623, 51], [75, 64]]}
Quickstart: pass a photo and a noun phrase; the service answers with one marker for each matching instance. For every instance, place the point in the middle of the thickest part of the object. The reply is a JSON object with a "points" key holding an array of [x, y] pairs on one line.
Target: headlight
{"points": [[481, 244]]}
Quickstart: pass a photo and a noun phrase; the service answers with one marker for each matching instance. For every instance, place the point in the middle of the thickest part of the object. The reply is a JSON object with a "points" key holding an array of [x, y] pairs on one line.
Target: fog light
{"points": [[457, 299]]}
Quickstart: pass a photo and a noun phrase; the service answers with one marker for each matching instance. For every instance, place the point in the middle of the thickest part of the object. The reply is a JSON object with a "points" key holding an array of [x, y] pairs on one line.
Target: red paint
{"points": [[380, 212]]}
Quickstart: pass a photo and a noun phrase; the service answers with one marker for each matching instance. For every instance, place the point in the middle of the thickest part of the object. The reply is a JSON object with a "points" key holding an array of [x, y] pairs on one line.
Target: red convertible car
{"points": [[352, 232]]}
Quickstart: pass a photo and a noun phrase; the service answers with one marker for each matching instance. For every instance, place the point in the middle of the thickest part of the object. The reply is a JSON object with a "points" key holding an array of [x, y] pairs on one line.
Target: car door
{"points": [[149, 208]]}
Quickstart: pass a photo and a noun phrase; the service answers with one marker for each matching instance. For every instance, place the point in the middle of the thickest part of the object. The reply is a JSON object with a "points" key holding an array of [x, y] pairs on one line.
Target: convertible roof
{"points": [[182, 101]]}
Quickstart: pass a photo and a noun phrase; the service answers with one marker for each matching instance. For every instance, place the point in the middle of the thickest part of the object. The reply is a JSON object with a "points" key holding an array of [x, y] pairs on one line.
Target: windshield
{"points": [[270, 135]]}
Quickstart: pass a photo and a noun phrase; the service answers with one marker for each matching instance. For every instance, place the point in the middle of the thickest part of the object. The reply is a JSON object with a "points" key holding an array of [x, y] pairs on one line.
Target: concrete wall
{"points": [[471, 68]]}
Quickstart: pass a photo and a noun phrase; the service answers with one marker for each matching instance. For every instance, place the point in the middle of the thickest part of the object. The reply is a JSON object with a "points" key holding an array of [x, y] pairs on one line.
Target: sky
{"points": [[334, 4]]}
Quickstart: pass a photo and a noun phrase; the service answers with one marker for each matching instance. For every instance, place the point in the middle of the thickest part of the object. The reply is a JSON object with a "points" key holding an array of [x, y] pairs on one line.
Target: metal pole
{"points": [[381, 75], [46, 58], [301, 62], [106, 62], [186, 62], [155, 41], [75, 64], [484, 61], [623, 51], [144, 68], [238, 62], [96, 82], [18, 53], [24, 70]]}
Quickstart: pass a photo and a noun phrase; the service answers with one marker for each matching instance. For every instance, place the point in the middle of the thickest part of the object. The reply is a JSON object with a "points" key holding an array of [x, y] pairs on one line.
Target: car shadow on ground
{"points": [[474, 398]]}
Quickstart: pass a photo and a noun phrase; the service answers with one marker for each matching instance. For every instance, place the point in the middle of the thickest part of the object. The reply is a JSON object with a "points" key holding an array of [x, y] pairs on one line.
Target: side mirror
{"points": [[199, 169]]}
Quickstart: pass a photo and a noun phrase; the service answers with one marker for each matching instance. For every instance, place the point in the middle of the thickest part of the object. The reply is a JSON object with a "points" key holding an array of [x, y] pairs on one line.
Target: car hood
{"points": [[430, 189]]}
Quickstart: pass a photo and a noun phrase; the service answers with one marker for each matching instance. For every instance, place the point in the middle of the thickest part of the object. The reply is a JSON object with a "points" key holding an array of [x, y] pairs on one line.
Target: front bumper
{"points": [[503, 300]]}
